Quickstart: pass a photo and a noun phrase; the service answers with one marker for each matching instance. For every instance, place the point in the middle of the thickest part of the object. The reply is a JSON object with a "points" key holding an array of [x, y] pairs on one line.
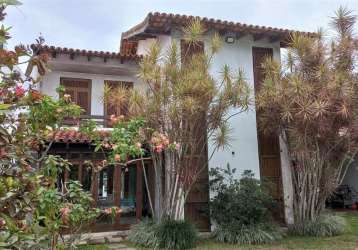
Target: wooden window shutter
{"points": [[80, 92], [112, 109], [187, 50], [83, 100]]}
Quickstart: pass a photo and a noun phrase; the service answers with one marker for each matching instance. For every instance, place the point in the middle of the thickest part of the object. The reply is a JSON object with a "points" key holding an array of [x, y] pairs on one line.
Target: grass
{"points": [[347, 241], [93, 247]]}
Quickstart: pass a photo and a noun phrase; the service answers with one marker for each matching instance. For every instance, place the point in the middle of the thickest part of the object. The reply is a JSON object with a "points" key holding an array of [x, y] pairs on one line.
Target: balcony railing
{"points": [[101, 120]]}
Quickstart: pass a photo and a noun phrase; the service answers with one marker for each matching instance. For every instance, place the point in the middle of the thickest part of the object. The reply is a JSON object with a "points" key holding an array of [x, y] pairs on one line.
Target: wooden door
{"points": [[269, 148], [197, 203]]}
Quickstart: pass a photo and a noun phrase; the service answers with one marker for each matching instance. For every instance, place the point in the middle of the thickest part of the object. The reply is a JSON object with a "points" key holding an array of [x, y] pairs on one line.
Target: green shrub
{"points": [[144, 234], [177, 234], [240, 208], [244, 235], [168, 234], [323, 226]]}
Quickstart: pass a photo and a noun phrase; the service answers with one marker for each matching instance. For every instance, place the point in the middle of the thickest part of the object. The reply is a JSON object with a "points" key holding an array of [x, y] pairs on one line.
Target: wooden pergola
{"points": [[78, 154]]}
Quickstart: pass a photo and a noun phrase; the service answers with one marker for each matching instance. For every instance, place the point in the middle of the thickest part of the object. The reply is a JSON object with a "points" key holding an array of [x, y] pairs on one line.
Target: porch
{"points": [[113, 186]]}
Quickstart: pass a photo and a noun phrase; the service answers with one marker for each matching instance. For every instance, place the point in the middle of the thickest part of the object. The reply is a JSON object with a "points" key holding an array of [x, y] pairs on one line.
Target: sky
{"points": [[98, 24]]}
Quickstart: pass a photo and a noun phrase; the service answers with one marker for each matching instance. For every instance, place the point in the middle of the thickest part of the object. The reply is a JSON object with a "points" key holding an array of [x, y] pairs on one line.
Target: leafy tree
{"points": [[32, 211], [183, 107], [312, 104]]}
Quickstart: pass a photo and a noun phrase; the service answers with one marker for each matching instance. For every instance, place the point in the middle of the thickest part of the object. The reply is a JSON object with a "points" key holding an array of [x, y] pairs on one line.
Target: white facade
{"points": [[243, 154], [95, 70]]}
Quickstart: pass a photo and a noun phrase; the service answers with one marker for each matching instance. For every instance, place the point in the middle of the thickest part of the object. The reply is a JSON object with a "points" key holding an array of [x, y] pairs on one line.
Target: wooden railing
{"points": [[99, 119]]}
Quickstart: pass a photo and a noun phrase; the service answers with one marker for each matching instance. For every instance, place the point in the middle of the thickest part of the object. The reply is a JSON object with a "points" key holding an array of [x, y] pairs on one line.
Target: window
{"points": [[190, 49], [114, 108], [80, 92]]}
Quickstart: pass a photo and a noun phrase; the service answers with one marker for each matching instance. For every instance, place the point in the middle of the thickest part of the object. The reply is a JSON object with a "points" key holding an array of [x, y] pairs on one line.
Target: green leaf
{"points": [[4, 106], [10, 2]]}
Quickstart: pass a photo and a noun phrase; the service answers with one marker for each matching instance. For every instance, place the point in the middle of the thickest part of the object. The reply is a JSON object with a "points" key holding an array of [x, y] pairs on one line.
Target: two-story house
{"points": [[84, 75]]}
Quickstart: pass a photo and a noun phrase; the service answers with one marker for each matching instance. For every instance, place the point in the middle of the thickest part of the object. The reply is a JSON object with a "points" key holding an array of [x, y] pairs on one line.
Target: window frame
{"points": [[88, 81]]}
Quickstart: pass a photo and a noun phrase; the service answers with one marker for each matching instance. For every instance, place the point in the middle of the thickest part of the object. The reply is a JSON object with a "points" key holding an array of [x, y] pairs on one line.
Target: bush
{"points": [[240, 209], [323, 226], [144, 234], [177, 234], [244, 235], [168, 234]]}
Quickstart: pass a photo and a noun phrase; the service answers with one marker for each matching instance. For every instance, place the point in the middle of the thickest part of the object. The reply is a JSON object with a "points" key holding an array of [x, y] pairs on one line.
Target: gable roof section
{"points": [[162, 23]]}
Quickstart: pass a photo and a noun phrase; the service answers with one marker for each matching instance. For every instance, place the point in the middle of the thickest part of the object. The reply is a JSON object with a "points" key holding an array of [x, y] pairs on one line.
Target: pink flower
{"points": [[2, 223], [65, 212], [67, 97], [138, 145], [159, 148], [19, 91], [107, 210], [177, 145]]}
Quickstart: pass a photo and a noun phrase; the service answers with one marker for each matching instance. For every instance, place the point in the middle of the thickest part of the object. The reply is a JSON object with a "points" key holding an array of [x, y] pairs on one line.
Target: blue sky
{"points": [[97, 25]]}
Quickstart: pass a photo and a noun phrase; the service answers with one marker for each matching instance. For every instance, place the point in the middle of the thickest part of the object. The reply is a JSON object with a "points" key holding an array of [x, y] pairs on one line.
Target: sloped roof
{"points": [[73, 136], [162, 23], [129, 55]]}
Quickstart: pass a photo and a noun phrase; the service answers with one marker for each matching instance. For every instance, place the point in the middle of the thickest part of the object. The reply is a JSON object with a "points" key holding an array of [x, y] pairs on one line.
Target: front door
{"points": [[269, 148]]}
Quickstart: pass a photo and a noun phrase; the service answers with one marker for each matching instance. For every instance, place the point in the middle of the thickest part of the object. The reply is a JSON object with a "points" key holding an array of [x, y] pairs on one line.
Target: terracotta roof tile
{"points": [[156, 23], [73, 136], [124, 55]]}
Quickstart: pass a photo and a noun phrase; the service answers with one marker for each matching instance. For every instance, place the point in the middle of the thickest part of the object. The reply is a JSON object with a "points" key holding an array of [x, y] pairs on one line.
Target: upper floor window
{"points": [[80, 92], [189, 49], [117, 106]]}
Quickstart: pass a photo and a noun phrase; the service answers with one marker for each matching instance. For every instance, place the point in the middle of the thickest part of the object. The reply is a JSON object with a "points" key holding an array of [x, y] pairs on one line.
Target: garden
{"points": [[312, 105]]}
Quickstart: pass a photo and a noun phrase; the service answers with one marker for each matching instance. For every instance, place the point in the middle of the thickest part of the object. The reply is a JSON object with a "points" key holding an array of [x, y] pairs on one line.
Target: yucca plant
{"points": [[311, 102]]}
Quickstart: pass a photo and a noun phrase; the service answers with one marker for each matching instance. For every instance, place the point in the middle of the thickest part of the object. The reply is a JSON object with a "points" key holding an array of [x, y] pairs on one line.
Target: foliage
{"points": [[174, 234], [32, 211], [240, 208], [247, 235], [144, 234], [323, 226], [242, 201], [167, 234], [313, 107], [67, 211], [183, 107]]}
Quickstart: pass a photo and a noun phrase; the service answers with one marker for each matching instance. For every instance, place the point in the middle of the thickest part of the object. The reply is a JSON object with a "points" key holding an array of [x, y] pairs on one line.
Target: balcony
{"points": [[101, 120]]}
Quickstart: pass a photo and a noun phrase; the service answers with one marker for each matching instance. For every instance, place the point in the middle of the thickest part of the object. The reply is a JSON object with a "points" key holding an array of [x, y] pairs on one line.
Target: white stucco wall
{"points": [[144, 45], [51, 80], [243, 153]]}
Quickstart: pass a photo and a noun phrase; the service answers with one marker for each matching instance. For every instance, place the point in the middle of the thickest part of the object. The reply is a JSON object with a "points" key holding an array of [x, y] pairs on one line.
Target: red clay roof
{"points": [[72, 136], [156, 23], [126, 55]]}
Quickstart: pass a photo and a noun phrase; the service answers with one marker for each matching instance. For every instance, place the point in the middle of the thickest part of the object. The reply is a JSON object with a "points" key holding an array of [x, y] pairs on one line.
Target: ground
{"points": [[349, 240]]}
